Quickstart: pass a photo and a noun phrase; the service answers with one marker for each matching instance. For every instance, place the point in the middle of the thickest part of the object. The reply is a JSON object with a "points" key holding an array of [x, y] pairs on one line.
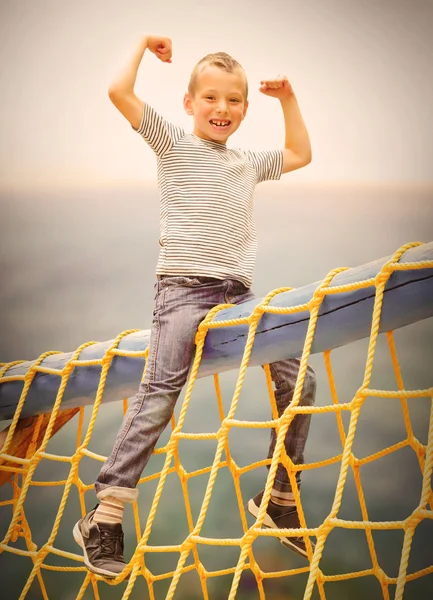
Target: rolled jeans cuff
{"points": [[124, 494], [284, 486]]}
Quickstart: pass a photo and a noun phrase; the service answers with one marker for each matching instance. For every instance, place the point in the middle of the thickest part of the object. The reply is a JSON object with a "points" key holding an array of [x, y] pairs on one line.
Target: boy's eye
{"points": [[234, 100], [209, 97]]}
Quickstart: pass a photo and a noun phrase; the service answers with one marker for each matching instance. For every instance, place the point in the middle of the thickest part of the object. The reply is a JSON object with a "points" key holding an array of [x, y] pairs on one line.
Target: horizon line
{"points": [[152, 183]]}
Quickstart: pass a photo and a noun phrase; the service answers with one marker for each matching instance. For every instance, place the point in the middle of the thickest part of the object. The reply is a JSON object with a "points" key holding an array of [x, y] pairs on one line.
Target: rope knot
{"points": [[188, 544], [412, 521], [248, 538], [383, 276]]}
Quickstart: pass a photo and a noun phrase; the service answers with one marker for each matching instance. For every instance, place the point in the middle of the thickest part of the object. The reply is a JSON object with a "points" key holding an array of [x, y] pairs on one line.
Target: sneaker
{"points": [[281, 517], [102, 544]]}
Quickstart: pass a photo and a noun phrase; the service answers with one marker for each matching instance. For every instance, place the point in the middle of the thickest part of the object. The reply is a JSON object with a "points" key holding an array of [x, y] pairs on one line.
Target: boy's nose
{"points": [[222, 108]]}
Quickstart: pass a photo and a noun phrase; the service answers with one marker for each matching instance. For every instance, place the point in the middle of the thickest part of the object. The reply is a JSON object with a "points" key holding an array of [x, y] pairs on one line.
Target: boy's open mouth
{"points": [[218, 123]]}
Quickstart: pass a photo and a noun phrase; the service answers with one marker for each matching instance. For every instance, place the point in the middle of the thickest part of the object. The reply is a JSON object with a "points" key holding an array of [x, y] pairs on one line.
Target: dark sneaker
{"points": [[279, 517], [102, 544]]}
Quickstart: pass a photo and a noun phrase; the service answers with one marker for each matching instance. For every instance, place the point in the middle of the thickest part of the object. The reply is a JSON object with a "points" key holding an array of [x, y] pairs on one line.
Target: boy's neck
{"points": [[208, 139]]}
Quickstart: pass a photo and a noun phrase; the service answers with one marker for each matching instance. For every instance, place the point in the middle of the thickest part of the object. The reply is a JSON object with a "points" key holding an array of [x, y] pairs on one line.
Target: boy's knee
{"points": [[286, 385]]}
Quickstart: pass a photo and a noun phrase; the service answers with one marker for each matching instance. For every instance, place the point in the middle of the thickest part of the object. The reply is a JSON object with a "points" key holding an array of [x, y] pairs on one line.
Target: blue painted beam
{"points": [[343, 318]]}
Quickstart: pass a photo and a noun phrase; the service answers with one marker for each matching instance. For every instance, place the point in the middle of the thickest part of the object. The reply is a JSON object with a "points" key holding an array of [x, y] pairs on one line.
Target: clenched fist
{"points": [[278, 87], [160, 46]]}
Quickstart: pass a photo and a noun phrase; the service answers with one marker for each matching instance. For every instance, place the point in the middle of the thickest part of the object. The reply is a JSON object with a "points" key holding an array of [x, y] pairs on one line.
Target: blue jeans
{"points": [[181, 303]]}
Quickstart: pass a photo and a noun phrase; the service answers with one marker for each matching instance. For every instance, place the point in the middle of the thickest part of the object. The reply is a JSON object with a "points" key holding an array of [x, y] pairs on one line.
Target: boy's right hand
{"points": [[160, 46]]}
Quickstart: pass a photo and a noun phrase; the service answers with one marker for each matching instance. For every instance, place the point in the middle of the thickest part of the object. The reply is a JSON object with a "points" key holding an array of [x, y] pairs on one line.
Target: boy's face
{"points": [[219, 98]]}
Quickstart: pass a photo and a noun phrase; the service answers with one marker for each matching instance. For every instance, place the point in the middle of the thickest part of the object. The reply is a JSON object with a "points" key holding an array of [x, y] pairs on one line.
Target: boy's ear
{"points": [[245, 109], [187, 104]]}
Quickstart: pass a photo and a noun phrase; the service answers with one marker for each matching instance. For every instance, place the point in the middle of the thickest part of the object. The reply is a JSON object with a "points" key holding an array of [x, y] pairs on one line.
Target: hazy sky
{"points": [[361, 71]]}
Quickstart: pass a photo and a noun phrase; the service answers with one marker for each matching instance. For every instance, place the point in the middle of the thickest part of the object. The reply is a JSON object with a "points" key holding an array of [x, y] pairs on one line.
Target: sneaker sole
{"points": [[79, 539], [253, 509]]}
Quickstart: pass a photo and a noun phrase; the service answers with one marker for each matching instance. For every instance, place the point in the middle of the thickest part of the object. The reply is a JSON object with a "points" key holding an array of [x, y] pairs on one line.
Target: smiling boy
{"points": [[208, 248]]}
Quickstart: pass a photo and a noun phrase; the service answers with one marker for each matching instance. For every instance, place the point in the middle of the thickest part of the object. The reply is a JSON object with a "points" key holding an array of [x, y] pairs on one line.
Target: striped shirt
{"points": [[206, 191]]}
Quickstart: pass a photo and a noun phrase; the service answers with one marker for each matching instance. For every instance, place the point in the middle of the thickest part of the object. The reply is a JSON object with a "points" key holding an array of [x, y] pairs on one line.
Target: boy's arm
{"points": [[297, 147], [121, 90]]}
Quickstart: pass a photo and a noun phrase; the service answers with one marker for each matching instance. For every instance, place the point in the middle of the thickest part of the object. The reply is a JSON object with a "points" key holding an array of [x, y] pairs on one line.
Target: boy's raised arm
{"points": [[121, 90], [297, 146]]}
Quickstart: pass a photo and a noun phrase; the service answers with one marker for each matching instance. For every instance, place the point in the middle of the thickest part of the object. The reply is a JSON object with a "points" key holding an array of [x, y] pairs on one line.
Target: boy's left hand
{"points": [[279, 87]]}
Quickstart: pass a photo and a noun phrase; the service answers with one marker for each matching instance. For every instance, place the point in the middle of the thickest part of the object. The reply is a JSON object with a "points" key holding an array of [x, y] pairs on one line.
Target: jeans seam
{"points": [[155, 353]]}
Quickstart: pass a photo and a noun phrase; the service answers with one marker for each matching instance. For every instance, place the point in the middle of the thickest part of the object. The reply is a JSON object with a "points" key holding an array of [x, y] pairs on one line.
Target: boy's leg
{"points": [[281, 511], [181, 303], [179, 309], [284, 374]]}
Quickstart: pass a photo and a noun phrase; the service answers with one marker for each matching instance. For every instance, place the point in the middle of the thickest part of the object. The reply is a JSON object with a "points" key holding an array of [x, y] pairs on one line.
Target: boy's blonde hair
{"points": [[223, 61]]}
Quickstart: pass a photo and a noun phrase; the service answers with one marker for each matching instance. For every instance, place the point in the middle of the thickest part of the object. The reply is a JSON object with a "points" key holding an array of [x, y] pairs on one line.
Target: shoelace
{"points": [[109, 542]]}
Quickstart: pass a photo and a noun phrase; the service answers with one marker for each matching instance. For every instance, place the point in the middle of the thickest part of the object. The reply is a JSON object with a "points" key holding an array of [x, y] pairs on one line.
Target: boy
{"points": [[208, 247]]}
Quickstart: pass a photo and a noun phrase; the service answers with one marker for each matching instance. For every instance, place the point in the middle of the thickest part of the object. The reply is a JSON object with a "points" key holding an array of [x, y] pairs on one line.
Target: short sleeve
{"points": [[160, 134], [268, 164]]}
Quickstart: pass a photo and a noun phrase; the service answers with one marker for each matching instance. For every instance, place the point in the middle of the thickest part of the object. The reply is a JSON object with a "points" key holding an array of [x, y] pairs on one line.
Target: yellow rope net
{"points": [[22, 469]]}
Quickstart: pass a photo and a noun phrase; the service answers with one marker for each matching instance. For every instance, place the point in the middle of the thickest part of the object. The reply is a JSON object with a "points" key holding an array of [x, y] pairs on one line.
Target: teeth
{"points": [[219, 123]]}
